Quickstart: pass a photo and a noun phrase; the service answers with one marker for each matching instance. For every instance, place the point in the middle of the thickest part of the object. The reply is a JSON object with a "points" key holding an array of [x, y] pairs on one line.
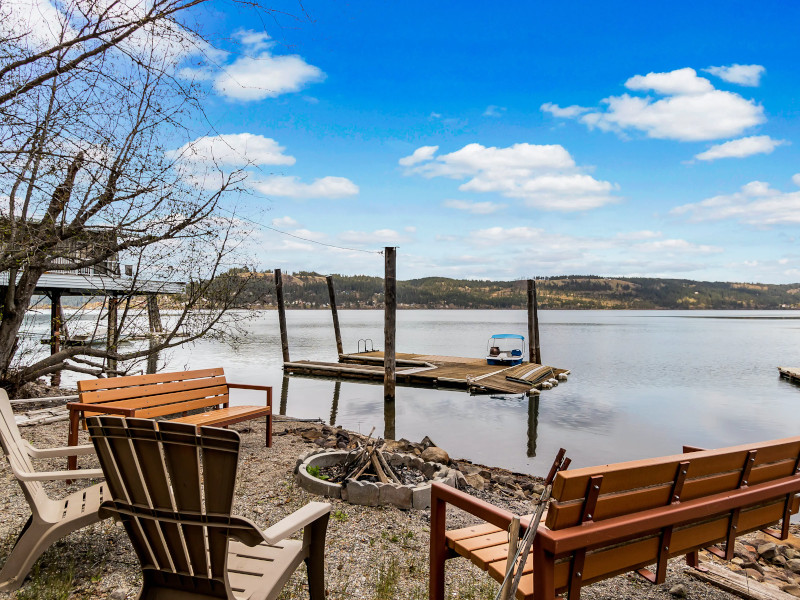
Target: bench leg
{"points": [[544, 587], [693, 559], [438, 549]]}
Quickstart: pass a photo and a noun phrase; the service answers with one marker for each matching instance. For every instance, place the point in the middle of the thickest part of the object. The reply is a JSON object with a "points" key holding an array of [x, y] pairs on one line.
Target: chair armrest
{"points": [[59, 475], [61, 451], [101, 409], [296, 521]]}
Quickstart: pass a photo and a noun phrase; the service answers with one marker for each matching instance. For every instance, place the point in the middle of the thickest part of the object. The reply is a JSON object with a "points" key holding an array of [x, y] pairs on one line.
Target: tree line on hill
{"points": [[309, 290]]}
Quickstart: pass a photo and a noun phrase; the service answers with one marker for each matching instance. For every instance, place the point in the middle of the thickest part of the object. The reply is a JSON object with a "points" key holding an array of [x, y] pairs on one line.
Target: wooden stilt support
{"points": [[112, 336], [335, 315], [282, 316], [57, 330], [153, 314], [390, 324]]}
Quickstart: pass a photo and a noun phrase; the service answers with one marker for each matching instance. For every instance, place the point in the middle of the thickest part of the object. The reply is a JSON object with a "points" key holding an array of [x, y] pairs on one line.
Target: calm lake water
{"points": [[642, 383]]}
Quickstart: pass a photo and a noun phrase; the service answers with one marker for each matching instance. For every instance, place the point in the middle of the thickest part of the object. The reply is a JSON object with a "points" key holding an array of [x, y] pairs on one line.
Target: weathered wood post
{"points": [[337, 389], [335, 315], [282, 315], [389, 324], [57, 328], [152, 358], [389, 416], [112, 336], [534, 352], [154, 314]]}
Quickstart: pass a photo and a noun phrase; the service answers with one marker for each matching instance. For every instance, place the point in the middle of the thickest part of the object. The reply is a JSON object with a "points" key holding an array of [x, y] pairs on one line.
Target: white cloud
{"points": [[292, 187], [749, 75], [544, 176], [678, 82], [237, 149], [756, 203], [37, 20], [284, 222], [259, 73], [566, 112], [421, 154], [476, 208], [693, 110], [796, 179], [494, 111], [748, 146]]}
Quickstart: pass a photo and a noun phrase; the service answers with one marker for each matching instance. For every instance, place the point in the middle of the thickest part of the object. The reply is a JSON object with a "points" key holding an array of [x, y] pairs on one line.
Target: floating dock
{"points": [[790, 373], [426, 370]]}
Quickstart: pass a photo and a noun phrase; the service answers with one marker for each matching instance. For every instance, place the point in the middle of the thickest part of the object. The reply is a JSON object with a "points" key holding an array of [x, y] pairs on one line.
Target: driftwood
{"points": [[366, 456]]}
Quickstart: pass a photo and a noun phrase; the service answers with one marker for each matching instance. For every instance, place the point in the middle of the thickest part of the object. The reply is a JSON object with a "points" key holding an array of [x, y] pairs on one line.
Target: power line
{"points": [[275, 229]]}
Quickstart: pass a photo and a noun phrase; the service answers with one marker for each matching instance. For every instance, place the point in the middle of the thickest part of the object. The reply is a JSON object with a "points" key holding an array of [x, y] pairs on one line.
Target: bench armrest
{"points": [[475, 506], [296, 521], [101, 409], [247, 386], [61, 451]]}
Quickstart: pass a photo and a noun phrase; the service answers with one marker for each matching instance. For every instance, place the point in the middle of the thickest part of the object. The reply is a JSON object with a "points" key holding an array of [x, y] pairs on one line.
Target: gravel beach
{"points": [[372, 552]]}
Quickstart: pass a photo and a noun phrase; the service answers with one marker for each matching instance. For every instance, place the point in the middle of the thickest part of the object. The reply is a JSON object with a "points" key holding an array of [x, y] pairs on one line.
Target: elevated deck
{"points": [[426, 370]]}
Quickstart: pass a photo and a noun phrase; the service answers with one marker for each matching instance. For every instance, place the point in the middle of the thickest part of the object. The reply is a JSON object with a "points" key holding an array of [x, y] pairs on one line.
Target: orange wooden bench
{"points": [[607, 520], [163, 394]]}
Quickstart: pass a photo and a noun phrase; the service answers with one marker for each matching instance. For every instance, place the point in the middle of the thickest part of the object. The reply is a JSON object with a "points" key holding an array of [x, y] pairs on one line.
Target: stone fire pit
{"points": [[367, 493]]}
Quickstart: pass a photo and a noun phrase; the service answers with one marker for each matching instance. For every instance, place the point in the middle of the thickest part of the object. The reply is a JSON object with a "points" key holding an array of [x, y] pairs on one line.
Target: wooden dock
{"points": [[790, 373], [425, 370]]}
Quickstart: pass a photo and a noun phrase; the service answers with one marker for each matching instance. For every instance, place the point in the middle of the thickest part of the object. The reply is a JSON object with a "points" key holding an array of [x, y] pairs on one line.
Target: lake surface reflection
{"points": [[643, 383]]}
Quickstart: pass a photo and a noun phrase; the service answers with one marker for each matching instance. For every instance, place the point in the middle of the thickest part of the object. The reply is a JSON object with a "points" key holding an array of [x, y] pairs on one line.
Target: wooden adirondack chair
{"points": [[172, 487], [50, 519]]}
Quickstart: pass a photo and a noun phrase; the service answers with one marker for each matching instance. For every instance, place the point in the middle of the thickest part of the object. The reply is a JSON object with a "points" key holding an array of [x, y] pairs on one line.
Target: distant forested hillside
{"points": [[309, 290]]}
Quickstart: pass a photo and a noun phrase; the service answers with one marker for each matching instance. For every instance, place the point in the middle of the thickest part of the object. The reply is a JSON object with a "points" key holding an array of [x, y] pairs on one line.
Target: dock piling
{"points": [[335, 315], [534, 351], [282, 315], [154, 314], [390, 324]]}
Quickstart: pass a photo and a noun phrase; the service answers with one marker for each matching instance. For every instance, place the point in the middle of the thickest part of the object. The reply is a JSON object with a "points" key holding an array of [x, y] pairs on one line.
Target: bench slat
{"points": [[214, 395], [171, 409], [151, 390], [228, 415], [567, 514], [111, 383], [571, 485]]}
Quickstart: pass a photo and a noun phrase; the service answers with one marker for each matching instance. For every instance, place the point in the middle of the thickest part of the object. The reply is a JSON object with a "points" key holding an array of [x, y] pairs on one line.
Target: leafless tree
{"points": [[92, 108]]}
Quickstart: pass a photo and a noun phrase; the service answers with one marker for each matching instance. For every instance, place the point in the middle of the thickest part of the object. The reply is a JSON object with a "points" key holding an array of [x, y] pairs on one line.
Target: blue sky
{"points": [[512, 140]]}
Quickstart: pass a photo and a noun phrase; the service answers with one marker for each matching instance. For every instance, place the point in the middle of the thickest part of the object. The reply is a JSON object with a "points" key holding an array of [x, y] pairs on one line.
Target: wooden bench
{"points": [[607, 520], [163, 394]]}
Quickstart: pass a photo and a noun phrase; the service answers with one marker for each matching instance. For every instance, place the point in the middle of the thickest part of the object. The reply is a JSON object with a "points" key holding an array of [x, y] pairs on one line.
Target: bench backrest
{"points": [[158, 394], [634, 486]]}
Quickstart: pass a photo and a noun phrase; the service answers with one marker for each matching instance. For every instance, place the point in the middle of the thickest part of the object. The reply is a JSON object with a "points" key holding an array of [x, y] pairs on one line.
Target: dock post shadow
{"points": [[389, 409], [533, 424], [337, 388], [284, 395]]}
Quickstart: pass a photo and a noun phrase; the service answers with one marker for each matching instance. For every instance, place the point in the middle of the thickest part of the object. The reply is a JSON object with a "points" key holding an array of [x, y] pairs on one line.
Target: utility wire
{"points": [[275, 229]]}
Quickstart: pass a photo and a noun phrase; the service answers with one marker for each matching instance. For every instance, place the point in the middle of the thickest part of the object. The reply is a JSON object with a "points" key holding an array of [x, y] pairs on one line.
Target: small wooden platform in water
{"points": [[426, 370], [790, 373]]}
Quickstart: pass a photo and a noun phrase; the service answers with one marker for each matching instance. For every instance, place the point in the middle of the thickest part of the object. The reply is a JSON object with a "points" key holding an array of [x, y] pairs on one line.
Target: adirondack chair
{"points": [[172, 487], [50, 519]]}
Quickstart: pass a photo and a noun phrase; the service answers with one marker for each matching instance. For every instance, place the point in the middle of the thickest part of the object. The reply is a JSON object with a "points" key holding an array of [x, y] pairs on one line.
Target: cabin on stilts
{"points": [[108, 279]]}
